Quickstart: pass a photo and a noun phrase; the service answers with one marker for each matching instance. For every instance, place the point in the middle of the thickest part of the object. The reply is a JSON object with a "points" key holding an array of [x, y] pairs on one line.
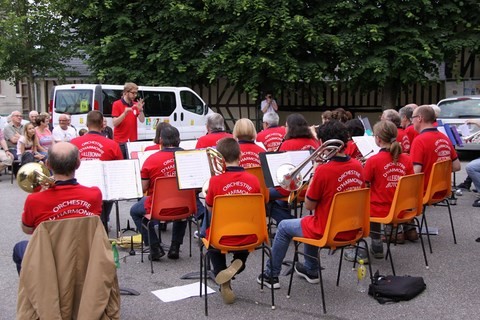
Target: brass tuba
{"points": [[290, 178], [217, 166], [31, 177]]}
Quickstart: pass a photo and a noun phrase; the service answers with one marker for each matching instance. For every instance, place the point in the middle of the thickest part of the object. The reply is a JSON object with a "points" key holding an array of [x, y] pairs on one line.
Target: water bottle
{"points": [[361, 277], [115, 254]]}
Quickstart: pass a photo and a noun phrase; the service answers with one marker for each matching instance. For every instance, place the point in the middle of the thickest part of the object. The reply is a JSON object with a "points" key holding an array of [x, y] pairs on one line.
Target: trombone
{"points": [[290, 177]]}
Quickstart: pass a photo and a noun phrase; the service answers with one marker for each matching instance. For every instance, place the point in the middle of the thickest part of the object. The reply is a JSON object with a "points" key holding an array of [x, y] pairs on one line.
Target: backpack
{"points": [[395, 288]]}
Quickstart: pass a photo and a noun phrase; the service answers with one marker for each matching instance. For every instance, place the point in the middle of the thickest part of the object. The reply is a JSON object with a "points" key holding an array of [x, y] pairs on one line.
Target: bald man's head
{"points": [[63, 158]]}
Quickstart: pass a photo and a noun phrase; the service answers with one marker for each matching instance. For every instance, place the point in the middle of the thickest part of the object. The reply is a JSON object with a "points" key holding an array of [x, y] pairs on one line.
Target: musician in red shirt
{"points": [[65, 199], [215, 131], [272, 134], [159, 164], [125, 113], [341, 173], [245, 133], [220, 185], [402, 138], [430, 145], [382, 172], [407, 122], [355, 128], [298, 137]]}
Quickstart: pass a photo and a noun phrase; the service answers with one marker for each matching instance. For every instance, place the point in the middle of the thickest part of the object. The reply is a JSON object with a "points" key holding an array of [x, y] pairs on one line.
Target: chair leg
{"points": [[421, 241], [272, 289], [201, 270], [340, 267], [205, 282], [368, 257], [389, 253], [190, 235], [321, 278], [150, 243], [424, 222], [295, 259], [451, 221]]}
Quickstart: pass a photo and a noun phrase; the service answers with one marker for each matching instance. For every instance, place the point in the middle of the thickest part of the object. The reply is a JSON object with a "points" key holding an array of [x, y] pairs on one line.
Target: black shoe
{"points": [[476, 203], [464, 186], [162, 226], [311, 277], [267, 283], [174, 252], [156, 252]]}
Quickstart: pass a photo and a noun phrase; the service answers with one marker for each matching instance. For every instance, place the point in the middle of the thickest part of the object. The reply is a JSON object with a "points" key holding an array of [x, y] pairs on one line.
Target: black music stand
{"points": [[128, 291]]}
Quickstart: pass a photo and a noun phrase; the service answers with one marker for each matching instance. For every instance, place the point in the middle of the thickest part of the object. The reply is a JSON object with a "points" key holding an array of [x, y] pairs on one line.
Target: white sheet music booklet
{"points": [[366, 145], [118, 180], [193, 168]]}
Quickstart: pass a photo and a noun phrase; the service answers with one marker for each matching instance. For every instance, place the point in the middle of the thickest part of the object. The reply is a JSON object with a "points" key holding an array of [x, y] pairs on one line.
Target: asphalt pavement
{"points": [[452, 279]]}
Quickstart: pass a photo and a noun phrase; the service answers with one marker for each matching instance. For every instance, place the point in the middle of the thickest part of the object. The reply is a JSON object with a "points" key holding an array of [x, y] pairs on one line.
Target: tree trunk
{"points": [[390, 92]]}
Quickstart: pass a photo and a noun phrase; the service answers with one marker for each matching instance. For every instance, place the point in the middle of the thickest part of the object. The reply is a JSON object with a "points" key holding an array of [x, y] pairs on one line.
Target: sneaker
{"points": [[376, 249], [349, 255], [226, 275], [227, 293], [476, 203], [411, 235], [311, 277], [267, 282], [464, 186], [400, 238]]}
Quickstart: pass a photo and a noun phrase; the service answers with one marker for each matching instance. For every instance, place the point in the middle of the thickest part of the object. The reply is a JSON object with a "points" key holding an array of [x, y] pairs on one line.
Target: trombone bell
{"points": [[285, 178], [31, 177]]}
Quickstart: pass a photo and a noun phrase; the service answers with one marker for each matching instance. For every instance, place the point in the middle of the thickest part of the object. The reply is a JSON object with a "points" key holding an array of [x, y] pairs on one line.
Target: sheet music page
{"points": [[275, 160], [188, 144], [90, 174], [123, 179], [193, 168], [366, 145], [464, 130], [138, 146], [142, 156]]}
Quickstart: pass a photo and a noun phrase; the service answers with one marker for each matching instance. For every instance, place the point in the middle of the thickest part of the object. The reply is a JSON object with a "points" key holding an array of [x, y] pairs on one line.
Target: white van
{"points": [[455, 111], [180, 106]]}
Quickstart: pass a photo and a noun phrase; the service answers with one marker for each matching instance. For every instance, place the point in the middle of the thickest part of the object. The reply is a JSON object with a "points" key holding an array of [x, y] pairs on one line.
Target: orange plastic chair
{"points": [[406, 206], [439, 188], [349, 211], [235, 215], [257, 172], [171, 204]]}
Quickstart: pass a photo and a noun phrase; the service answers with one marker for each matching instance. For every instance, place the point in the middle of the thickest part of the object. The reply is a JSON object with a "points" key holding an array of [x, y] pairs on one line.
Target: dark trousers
{"points": [[219, 260], [18, 253]]}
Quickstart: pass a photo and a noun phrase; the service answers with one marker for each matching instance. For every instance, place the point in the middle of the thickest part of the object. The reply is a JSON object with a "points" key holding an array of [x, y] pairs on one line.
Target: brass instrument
{"points": [[217, 166], [290, 178], [31, 177], [471, 137]]}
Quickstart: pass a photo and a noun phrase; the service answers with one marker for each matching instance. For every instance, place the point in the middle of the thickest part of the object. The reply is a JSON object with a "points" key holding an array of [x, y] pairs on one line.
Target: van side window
{"points": [[158, 104], [73, 101], [109, 97], [191, 102]]}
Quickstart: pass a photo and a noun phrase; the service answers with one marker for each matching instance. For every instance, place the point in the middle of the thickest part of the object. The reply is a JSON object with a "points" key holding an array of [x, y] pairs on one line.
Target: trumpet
{"points": [[217, 166], [471, 137], [31, 177], [290, 178]]}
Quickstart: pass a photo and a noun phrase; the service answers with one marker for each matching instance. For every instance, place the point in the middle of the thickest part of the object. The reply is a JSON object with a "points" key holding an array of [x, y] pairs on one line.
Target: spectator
{"points": [[6, 157], [269, 104], [106, 130], [13, 131], [64, 131], [27, 145], [44, 135], [33, 117]]}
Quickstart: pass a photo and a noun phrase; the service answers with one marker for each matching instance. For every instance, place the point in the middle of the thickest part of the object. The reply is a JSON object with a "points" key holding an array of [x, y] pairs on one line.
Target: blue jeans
{"points": [[137, 212], [473, 171], [279, 209], [286, 230], [18, 253]]}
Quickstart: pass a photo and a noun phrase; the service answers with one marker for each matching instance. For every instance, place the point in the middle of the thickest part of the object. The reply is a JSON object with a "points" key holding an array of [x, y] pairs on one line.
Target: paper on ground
{"points": [[180, 292]]}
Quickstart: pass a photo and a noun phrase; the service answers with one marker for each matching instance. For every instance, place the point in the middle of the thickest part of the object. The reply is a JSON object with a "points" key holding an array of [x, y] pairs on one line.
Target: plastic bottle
{"points": [[115, 254], [361, 277]]}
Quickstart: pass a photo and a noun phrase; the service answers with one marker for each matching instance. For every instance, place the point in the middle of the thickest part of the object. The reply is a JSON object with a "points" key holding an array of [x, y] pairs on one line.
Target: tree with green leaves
{"points": [[34, 41]]}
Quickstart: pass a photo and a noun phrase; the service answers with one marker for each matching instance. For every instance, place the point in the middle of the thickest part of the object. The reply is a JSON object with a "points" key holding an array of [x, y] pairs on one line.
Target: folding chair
{"points": [[406, 206], [257, 172], [349, 212], [235, 215], [438, 191], [170, 204]]}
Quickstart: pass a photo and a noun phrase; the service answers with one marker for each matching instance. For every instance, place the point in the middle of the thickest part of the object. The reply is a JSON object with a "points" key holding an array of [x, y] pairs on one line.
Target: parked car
{"points": [[455, 111]]}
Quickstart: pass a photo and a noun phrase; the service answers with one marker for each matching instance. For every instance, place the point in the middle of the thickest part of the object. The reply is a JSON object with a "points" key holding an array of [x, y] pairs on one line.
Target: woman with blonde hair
{"points": [[27, 145], [244, 132]]}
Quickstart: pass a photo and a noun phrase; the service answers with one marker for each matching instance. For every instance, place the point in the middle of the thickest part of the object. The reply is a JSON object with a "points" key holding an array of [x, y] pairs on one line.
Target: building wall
{"points": [[10, 100]]}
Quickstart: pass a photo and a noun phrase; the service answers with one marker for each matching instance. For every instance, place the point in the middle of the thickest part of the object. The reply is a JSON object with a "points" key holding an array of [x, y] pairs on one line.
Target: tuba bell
{"points": [[31, 177], [290, 178], [217, 166]]}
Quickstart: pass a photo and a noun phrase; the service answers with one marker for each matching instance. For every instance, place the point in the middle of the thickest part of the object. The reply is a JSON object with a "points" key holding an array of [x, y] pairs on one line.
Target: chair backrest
{"points": [[408, 199], [258, 172], [440, 183], [238, 215], [169, 203], [348, 219]]}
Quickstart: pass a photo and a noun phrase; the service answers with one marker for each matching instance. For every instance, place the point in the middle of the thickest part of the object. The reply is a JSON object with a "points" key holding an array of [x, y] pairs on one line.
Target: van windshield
{"points": [[460, 109], [73, 101]]}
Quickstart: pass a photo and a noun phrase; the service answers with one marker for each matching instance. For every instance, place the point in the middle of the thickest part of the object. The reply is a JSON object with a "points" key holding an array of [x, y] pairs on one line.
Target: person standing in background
{"points": [[269, 104], [125, 113]]}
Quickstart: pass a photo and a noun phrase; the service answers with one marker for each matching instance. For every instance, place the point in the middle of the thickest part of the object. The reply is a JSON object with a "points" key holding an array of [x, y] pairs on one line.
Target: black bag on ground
{"points": [[395, 288]]}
